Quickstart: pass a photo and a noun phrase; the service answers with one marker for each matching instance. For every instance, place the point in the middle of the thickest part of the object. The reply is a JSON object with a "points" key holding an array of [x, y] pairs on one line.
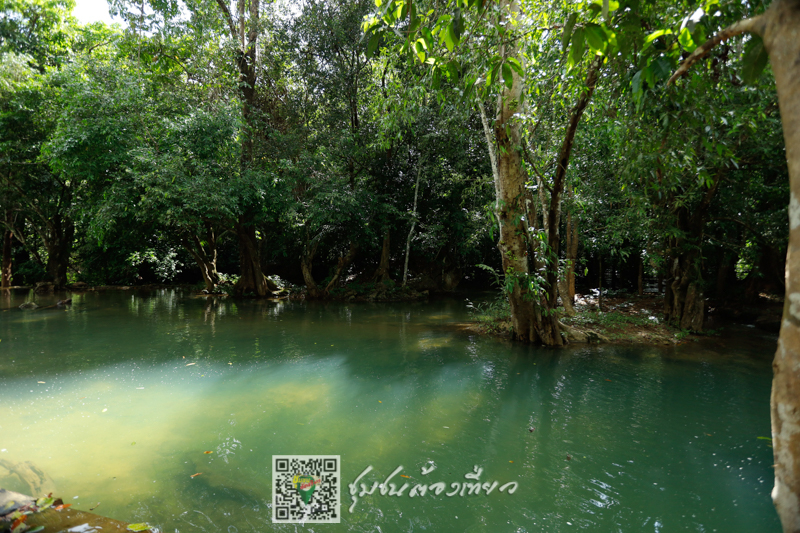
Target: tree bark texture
{"points": [[60, 234], [252, 278], [684, 299], [205, 257], [342, 266], [510, 209], [8, 236], [6, 269], [306, 266], [382, 272], [780, 30]]}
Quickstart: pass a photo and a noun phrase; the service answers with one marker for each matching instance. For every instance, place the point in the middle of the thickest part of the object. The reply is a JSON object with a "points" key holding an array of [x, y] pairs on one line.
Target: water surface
{"points": [[115, 400]]}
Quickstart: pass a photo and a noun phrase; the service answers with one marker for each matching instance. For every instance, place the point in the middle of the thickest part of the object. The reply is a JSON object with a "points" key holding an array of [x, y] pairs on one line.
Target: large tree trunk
{"points": [[252, 279], [60, 234], [306, 262], [382, 272], [205, 257], [780, 31], [684, 300], [510, 208]]}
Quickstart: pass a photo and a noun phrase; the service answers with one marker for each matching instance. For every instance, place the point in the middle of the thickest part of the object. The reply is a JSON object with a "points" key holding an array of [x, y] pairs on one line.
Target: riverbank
{"points": [[634, 319]]}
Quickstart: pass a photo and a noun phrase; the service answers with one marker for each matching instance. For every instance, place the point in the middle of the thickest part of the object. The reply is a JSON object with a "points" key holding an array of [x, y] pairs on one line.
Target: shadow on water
{"points": [[120, 397]]}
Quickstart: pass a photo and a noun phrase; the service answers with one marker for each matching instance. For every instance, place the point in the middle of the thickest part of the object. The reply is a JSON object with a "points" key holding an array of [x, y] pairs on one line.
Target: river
{"points": [[114, 403]]}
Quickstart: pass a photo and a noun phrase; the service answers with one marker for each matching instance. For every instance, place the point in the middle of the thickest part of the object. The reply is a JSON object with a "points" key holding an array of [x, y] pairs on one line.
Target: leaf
{"points": [[372, 46], [655, 35], [754, 60], [195, 475], [515, 64], [661, 69], [450, 38], [420, 50], [686, 40], [568, 30], [63, 506], [508, 75], [458, 24], [428, 38], [596, 37], [576, 52], [142, 526], [207, 452], [44, 502]]}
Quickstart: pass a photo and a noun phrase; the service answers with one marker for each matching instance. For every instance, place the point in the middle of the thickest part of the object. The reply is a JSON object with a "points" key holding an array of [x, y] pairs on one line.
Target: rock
{"points": [[25, 477], [10, 501], [44, 287], [79, 285], [29, 305]]}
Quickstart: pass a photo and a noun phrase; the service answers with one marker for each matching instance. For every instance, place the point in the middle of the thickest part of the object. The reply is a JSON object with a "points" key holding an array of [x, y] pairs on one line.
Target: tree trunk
{"points": [[206, 259], [780, 33], [252, 279], [413, 223], [306, 266], [684, 301], [60, 235], [382, 272], [600, 285], [572, 256], [510, 210], [342, 265], [8, 236]]}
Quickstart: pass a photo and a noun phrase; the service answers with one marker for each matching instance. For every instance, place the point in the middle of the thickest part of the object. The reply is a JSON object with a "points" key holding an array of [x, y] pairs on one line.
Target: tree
{"points": [[777, 27]]}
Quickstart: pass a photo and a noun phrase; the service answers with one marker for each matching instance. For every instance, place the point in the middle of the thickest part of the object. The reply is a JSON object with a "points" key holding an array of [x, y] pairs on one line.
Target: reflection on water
{"points": [[116, 399]]}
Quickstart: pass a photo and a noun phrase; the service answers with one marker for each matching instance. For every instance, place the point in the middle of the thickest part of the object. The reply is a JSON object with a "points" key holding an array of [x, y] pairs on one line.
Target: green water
{"points": [[137, 386]]}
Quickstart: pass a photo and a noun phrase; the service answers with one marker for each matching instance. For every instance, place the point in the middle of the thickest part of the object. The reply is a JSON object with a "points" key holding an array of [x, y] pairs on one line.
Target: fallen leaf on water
{"points": [[139, 527], [63, 506], [208, 452], [18, 521], [403, 475], [190, 364], [608, 379], [40, 381], [195, 475], [380, 401]]}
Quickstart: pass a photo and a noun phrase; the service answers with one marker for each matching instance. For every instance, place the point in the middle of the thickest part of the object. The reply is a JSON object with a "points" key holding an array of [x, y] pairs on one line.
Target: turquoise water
{"points": [[136, 386]]}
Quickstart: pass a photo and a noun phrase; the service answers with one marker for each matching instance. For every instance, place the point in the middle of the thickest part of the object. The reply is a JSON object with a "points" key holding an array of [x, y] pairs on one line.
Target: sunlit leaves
{"points": [[568, 27], [686, 40], [576, 48]]}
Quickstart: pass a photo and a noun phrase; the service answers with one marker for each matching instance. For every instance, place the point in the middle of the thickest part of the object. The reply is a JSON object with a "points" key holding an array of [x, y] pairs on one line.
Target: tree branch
{"points": [[753, 24], [228, 18]]}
